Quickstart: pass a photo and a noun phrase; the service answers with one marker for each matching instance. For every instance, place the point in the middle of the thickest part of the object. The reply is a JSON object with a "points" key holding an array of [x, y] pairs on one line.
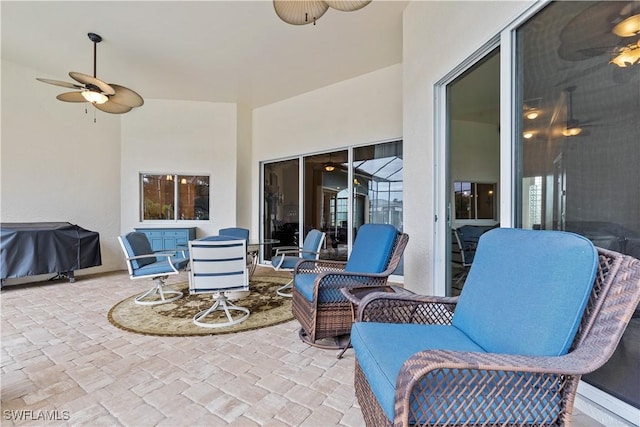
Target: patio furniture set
{"points": [[538, 310]]}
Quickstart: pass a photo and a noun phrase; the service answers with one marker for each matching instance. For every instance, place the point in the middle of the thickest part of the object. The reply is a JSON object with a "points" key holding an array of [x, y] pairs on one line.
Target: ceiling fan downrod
{"points": [[95, 38]]}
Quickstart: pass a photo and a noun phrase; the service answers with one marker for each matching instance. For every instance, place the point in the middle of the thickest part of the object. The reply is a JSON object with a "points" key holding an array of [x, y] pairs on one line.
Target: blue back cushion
{"points": [[372, 248], [136, 243], [240, 233], [526, 291], [311, 244]]}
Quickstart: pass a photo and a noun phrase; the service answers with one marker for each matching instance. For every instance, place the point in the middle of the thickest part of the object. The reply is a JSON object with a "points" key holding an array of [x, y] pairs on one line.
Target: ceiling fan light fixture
{"points": [[94, 97], [347, 5], [628, 27], [627, 55], [300, 12], [572, 129], [329, 167]]}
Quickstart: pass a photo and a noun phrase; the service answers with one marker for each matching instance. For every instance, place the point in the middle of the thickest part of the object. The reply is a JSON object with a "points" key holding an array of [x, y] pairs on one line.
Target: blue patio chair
{"points": [[218, 267], [286, 257], [242, 233], [318, 303], [538, 310], [143, 262]]}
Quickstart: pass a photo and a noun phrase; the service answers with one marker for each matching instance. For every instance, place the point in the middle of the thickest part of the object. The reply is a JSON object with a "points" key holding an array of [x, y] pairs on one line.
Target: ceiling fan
{"points": [[107, 97]]}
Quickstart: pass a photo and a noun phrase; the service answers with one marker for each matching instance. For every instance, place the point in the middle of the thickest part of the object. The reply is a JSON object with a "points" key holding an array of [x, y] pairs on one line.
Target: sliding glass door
{"points": [[340, 191], [280, 203], [578, 143]]}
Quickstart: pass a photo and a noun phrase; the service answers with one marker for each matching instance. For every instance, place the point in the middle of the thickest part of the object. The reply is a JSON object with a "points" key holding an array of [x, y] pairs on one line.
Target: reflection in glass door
{"points": [[326, 201], [473, 167], [280, 204]]}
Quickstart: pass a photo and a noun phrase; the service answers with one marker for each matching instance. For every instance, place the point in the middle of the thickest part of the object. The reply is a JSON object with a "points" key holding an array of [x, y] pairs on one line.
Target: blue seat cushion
{"points": [[526, 291], [382, 348], [136, 244], [304, 284], [288, 263], [161, 267], [372, 249]]}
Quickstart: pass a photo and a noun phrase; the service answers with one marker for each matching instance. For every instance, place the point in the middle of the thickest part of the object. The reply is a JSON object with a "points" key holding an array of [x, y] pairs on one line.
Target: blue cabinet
{"points": [[163, 239]]}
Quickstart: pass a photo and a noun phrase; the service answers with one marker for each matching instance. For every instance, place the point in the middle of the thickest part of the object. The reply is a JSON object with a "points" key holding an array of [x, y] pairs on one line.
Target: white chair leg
{"points": [[165, 296], [281, 290], [222, 304]]}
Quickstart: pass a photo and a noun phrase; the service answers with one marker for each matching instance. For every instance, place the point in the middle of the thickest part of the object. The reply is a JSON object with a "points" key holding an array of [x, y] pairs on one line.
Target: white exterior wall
{"points": [[363, 110], [57, 165], [465, 26], [183, 137]]}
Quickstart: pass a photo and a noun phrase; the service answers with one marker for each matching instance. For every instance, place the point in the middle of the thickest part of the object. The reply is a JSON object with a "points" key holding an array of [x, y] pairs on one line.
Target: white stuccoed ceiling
{"points": [[219, 51]]}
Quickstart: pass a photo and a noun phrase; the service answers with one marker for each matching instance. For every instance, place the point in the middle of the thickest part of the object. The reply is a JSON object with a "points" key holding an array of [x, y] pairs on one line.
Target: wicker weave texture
{"points": [[329, 313], [468, 389]]}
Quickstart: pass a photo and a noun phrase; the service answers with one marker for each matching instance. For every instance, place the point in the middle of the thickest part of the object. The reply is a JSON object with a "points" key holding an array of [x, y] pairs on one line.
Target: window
{"points": [[474, 200], [174, 197]]}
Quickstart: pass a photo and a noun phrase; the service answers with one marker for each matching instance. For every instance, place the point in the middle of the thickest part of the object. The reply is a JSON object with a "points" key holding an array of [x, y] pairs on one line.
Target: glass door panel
{"points": [[280, 204], [326, 201], [578, 152]]}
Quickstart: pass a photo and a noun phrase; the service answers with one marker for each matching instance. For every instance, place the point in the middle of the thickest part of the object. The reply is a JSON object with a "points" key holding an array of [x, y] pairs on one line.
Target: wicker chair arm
{"points": [[404, 306], [310, 266], [514, 373]]}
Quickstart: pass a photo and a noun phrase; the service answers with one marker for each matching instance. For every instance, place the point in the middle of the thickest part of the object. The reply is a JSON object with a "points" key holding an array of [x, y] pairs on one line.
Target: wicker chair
{"points": [[318, 304], [451, 386]]}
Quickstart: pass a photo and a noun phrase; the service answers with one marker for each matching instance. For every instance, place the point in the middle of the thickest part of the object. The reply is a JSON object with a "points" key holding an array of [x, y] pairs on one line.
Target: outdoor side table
{"points": [[354, 296]]}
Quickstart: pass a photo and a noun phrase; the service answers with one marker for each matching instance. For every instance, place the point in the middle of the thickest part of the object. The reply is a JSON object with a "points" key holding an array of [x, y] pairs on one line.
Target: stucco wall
{"points": [[363, 110], [465, 26], [183, 137], [56, 163]]}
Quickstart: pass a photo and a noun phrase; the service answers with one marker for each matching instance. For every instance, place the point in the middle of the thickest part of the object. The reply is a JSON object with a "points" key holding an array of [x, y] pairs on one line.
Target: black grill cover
{"points": [[28, 249]]}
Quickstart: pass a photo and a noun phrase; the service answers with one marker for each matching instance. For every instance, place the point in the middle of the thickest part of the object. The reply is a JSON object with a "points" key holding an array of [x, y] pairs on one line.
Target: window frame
{"points": [[177, 178]]}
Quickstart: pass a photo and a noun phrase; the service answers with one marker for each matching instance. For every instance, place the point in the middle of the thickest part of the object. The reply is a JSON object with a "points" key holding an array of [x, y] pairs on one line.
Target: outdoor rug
{"points": [[176, 318]]}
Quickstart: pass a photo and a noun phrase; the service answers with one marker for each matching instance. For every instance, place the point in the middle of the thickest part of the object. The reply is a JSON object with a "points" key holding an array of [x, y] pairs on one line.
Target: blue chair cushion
{"points": [[161, 267], [288, 263], [382, 348], [136, 244], [304, 284], [236, 232], [312, 244], [372, 249], [526, 291]]}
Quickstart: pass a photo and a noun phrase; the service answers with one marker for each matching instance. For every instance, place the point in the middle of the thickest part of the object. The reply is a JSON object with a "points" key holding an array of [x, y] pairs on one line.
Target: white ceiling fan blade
{"points": [[126, 96], [60, 83], [89, 80], [113, 107], [71, 97]]}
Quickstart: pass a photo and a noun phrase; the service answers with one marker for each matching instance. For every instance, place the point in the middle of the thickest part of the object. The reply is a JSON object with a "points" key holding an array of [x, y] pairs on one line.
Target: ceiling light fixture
{"points": [[627, 56], [302, 12], [329, 166], [532, 114], [527, 135], [573, 125], [107, 97], [94, 97]]}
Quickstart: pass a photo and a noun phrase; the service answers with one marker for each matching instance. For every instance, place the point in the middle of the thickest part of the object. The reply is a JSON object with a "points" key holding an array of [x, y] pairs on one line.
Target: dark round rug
{"points": [[176, 318]]}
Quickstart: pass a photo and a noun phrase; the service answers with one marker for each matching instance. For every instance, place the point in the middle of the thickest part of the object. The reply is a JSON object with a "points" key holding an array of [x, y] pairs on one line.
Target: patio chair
{"points": [[319, 305], [218, 266], [538, 310], [143, 262], [286, 257], [242, 233]]}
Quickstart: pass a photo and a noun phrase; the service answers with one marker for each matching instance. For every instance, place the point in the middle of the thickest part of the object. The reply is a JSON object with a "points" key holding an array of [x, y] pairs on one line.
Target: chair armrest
{"points": [[287, 249], [404, 306], [312, 266], [467, 375], [153, 255]]}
